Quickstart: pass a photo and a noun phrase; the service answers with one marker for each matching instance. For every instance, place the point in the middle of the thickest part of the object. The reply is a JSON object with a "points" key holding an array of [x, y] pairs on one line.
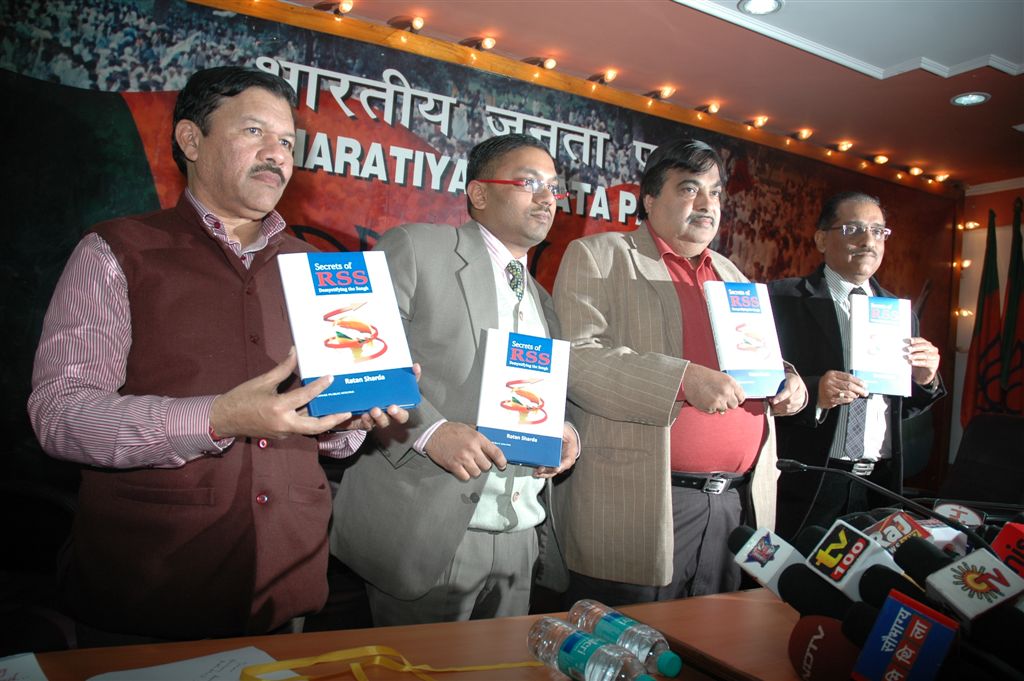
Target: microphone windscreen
{"points": [[882, 513], [878, 580], [809, 594], [818, 650], [738, 537], [860, 521], [857, 624], [808, 539], [789, 466], [920, 558]]}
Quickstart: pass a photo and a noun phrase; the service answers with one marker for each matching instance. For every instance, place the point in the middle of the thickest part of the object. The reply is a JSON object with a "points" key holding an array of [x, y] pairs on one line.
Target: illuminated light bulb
{"points": [[915, 171], [417, 23], [899, 176], [804, 133], [346, 6], [966, 263], [942, 177], [487, 43], [881, 159], [971, 224], [549, 63], [759, 121], [845, 145]]}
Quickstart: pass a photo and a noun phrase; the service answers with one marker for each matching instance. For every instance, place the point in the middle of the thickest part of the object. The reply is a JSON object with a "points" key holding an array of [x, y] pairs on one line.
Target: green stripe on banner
{"points": [[74, 159]]}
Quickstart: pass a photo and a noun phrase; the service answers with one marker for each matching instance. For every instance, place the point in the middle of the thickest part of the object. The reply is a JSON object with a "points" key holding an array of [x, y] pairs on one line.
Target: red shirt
{"points": [[703, 442]]}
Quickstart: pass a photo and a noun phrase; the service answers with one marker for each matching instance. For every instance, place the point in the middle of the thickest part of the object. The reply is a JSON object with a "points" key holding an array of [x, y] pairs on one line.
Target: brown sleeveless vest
{"points": [[227, 544]]}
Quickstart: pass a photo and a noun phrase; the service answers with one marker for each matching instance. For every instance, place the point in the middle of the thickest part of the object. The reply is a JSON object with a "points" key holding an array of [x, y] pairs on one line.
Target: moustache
{"points": [[266, 168], [864, 251], [694, 217]]}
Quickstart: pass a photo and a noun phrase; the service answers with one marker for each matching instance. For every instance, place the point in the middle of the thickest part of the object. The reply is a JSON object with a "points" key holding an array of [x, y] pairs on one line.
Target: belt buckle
{"points": [[863, 468], [715, 484]]}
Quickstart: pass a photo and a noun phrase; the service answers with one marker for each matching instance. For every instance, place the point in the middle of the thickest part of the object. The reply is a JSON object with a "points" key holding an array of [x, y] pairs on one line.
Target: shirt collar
{"points": [[840, 288], [500, 255], [703, 259], [271, 224]]}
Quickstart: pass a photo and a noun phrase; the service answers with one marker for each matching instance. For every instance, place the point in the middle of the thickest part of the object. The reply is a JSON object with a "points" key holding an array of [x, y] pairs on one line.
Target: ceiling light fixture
{"points": [[844, 145], [547, 63], [970, 99], [406, 23], [759, 7], [758, 121], [605, 77], [710, 107], [971, 224], [881, 159], [803, 134], [942, 177], [915, 171], [663, 92], [478, 43]]}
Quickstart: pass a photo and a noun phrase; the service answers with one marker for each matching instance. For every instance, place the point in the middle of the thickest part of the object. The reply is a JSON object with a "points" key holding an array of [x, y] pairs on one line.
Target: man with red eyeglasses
{"points": [[434, 519]]}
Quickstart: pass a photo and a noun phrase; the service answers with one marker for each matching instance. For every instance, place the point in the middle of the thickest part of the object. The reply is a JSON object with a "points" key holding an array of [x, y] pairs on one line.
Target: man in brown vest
{"points": [[203, 509]]}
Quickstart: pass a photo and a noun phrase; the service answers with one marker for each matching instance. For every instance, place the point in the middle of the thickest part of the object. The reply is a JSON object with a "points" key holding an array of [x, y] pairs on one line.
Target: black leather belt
{"points": [[709, 483]]}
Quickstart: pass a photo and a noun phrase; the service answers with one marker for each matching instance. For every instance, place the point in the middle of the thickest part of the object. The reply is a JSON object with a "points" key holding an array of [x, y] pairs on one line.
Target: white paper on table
{"points": [[21, 667], [223, 666]]}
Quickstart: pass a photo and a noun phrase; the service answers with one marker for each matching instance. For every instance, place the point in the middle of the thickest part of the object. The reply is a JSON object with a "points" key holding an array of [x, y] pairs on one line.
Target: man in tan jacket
{"points": [[675, 451]]}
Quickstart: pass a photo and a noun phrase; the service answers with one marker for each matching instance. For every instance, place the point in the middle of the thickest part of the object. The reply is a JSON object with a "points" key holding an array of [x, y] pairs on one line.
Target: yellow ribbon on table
{"points": [[379, 656]]}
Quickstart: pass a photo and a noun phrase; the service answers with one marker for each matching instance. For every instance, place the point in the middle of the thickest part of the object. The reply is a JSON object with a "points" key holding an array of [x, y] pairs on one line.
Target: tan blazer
{"points": [[619, 309]]}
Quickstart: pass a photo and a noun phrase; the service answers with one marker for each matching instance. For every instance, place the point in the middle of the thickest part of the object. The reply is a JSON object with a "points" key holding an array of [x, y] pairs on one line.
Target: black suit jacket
{"points": [[809, 335]]}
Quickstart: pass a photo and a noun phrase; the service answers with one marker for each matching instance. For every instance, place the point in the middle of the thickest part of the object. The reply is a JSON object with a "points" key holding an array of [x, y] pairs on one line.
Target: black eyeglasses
{"points": [[880, 232], [532, 185]]}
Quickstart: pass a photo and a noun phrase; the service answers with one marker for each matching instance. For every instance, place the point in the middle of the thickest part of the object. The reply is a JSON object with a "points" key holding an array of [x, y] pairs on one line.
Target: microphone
{"points": [[843, 555], [819, 651], [904, 639], [1009, 545], [969, 585], [792, 466], [762, 554], [808, 538], [809, 595], [879, 580]]}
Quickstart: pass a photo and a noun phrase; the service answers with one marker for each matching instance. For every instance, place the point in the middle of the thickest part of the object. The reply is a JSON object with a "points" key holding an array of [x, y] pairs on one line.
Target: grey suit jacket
{"points": [[620, 311], [399, 517]]}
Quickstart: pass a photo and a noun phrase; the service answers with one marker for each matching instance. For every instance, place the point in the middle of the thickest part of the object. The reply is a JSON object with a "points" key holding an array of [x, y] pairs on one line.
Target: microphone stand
{"points": [[792, 466]]}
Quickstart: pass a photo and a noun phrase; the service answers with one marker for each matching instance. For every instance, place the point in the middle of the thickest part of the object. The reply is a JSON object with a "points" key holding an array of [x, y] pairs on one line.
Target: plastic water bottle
{"points": [[648, 644], [581, 656]]}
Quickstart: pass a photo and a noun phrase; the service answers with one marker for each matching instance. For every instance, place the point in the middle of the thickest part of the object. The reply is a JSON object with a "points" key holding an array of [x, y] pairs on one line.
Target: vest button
{"points": [[474, 497], [254, 338], [263, 443], [262, 499]]}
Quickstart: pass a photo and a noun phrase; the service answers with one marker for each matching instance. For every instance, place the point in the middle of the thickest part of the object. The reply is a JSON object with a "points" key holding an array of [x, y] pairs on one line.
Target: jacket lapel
{"points": [[476, 279], [650, 266]]}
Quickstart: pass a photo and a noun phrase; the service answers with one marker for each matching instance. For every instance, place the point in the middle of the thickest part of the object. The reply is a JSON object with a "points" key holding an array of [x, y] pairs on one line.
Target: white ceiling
{"points": [[884, 38]]}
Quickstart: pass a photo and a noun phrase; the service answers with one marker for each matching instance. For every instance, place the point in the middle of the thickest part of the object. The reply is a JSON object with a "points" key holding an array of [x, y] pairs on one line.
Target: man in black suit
{"points": [[848, 428]]}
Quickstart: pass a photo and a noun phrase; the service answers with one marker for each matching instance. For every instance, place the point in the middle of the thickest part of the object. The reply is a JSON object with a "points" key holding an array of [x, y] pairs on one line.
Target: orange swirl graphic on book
{"points": [[355, 335], [527, 403], [751, 338]]}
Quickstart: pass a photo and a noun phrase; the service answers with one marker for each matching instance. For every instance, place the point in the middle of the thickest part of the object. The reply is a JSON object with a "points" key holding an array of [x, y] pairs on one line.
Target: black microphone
{"points": [[791, 466], [809, 594]]}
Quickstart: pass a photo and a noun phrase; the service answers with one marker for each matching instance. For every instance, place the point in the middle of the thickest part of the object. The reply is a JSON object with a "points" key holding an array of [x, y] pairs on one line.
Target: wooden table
{"points": [[731, 636]]}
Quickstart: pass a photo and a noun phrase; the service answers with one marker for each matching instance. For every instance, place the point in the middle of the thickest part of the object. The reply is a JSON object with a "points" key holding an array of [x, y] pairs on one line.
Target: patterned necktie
{"points": [[515, 277], [857, 416]]}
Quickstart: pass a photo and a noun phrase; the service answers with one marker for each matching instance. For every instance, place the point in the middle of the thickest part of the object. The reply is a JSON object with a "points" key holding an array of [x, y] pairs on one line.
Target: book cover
{"points": [[522, 396], [345, 323], [879, 329], [746, 342]]}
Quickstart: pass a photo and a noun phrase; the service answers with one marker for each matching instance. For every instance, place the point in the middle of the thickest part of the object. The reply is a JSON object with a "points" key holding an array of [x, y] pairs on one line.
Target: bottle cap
{"points": [[669, 664]]}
